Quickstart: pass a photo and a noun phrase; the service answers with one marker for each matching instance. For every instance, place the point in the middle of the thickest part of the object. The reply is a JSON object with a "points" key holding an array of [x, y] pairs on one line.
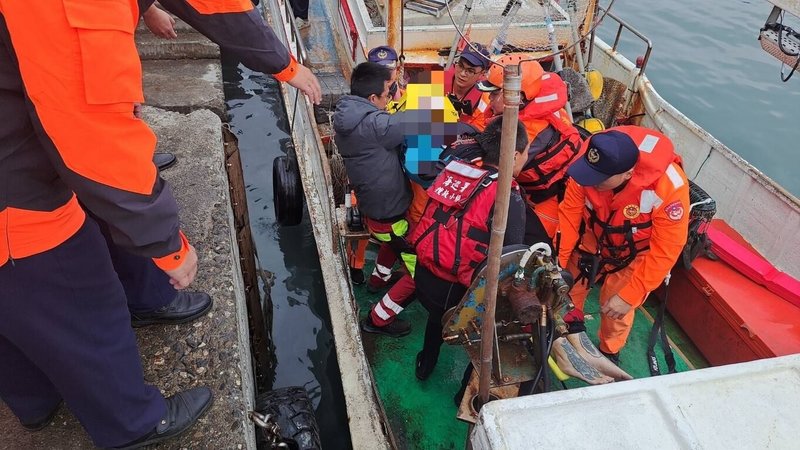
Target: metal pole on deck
{"points": [[394, 23], [551, 35], [511, 86], [457, 37]]}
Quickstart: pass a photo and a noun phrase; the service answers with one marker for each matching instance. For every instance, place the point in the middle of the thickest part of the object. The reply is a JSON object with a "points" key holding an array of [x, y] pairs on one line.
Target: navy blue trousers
{"points": [[300, 8], [146, 286], [65, 333]]}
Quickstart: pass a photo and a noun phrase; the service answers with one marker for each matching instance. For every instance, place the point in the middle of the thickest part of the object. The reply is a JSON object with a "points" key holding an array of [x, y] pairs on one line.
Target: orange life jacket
{"points": [[544, 175], [622, 222]]}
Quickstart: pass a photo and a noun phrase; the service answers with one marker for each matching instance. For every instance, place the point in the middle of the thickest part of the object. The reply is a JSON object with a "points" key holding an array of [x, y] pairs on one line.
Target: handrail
{"points": [[302, 55], [622, 24]]}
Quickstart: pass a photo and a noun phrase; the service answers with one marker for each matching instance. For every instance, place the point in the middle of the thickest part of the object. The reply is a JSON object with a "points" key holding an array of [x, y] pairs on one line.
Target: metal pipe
{"points": [[551, 36], [622, 24], [302, 54], [457, 37], [515, 337], [511, 87], [394, 23], [576, 39], [543, 349], [496, 47]]}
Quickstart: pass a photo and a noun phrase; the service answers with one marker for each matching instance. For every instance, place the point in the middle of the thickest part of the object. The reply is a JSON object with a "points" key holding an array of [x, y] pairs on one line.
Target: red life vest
{"points": [[468, 110], [543, 176], [622, 222], [452, 237]]}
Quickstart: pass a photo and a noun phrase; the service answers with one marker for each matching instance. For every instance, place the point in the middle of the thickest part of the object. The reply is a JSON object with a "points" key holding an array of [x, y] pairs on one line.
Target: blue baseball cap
{"points": [[608, 153], [477, 56], [383, 55]]}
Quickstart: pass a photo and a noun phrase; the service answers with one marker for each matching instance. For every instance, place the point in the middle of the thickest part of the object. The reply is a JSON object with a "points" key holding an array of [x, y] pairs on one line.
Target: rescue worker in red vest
{"points": [[460, 81], [452, 238], [623, 223], [69, 77], [554, 142]]}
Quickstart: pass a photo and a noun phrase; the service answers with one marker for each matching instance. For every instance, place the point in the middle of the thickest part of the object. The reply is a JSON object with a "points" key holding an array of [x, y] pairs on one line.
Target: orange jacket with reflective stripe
{"points": [[651, 213], [548, 161], [69, 76]]}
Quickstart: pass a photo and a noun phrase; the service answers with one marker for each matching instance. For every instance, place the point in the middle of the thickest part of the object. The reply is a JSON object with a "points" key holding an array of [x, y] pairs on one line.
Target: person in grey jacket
{"points": [[370, 141]]}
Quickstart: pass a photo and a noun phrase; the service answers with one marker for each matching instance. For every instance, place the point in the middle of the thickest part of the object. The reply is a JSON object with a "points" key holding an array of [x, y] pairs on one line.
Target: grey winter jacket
{"points": [[370, 141]]}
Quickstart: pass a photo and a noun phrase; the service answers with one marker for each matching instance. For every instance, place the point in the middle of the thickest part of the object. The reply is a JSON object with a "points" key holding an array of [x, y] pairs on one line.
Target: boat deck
{"points": [[404, 398]]}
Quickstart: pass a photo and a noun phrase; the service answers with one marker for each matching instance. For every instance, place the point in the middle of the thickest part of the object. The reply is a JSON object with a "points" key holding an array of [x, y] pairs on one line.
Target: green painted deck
{"points": [[422, 414]]}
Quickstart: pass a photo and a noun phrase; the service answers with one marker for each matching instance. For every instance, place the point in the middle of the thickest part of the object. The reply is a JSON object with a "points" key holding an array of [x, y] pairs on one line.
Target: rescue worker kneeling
{"points": [[452, 237], [623, 222]]}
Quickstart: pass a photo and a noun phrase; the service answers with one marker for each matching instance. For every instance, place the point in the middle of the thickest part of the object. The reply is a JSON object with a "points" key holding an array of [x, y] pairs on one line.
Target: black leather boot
{"points": [[186, 307], [183, 410], [37, 425], [164, 160]]}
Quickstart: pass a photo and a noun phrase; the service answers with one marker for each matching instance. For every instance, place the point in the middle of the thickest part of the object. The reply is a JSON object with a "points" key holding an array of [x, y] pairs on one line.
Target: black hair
{"points": [[368, 78], [489, 140]]}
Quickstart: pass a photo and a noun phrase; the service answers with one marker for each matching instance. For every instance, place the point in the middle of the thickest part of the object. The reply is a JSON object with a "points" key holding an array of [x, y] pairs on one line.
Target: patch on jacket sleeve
{"points": [[674, 210]]}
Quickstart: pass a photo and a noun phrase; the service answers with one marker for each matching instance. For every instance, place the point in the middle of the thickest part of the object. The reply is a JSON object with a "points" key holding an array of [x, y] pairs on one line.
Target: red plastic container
{"points": [[729, 317]]}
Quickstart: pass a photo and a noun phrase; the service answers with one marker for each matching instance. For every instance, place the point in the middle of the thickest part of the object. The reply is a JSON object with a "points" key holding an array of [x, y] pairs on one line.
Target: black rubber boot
{"points": [[397, 328], [464, 383], [357, 276], [423, 370]]}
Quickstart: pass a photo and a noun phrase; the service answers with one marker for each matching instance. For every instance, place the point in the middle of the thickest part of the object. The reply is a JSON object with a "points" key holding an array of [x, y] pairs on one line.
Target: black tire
{"points": [[292, 410], [287, 191]]}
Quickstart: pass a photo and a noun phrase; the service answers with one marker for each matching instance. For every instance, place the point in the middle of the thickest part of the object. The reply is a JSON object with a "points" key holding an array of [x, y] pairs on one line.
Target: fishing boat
{"points": [[387, 406]]}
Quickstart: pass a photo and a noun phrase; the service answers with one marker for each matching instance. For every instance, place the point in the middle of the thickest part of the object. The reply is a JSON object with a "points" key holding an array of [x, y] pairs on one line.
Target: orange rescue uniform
{"points": [[554, 144], [638, 233], [95, 149], [544, 174]]}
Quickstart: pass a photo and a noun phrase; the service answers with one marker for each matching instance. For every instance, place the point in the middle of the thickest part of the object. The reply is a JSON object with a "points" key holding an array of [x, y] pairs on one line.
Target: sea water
{"points": [[708, 63], [301, 332]]}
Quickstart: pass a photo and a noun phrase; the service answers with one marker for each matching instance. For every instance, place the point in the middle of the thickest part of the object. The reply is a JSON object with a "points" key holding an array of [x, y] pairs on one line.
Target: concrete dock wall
{"points": [[184, 103]]}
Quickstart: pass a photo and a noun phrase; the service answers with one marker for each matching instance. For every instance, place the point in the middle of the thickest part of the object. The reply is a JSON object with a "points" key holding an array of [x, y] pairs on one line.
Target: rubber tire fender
{"points": [[292, 410], [287, 191]]}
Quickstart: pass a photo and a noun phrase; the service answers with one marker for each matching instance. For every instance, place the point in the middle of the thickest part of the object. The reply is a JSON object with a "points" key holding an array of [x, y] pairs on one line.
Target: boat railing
{"points": [[761, 210], [621, 24], [294, 34]]}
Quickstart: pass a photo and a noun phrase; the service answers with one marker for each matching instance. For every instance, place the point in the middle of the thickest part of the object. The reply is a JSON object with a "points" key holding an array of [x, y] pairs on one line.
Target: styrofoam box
{"points": [[752, 405]]}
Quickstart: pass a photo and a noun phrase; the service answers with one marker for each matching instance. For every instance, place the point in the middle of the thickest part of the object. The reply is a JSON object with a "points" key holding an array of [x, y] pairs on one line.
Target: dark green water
{"points": [[708, 63], [301, 332]]}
